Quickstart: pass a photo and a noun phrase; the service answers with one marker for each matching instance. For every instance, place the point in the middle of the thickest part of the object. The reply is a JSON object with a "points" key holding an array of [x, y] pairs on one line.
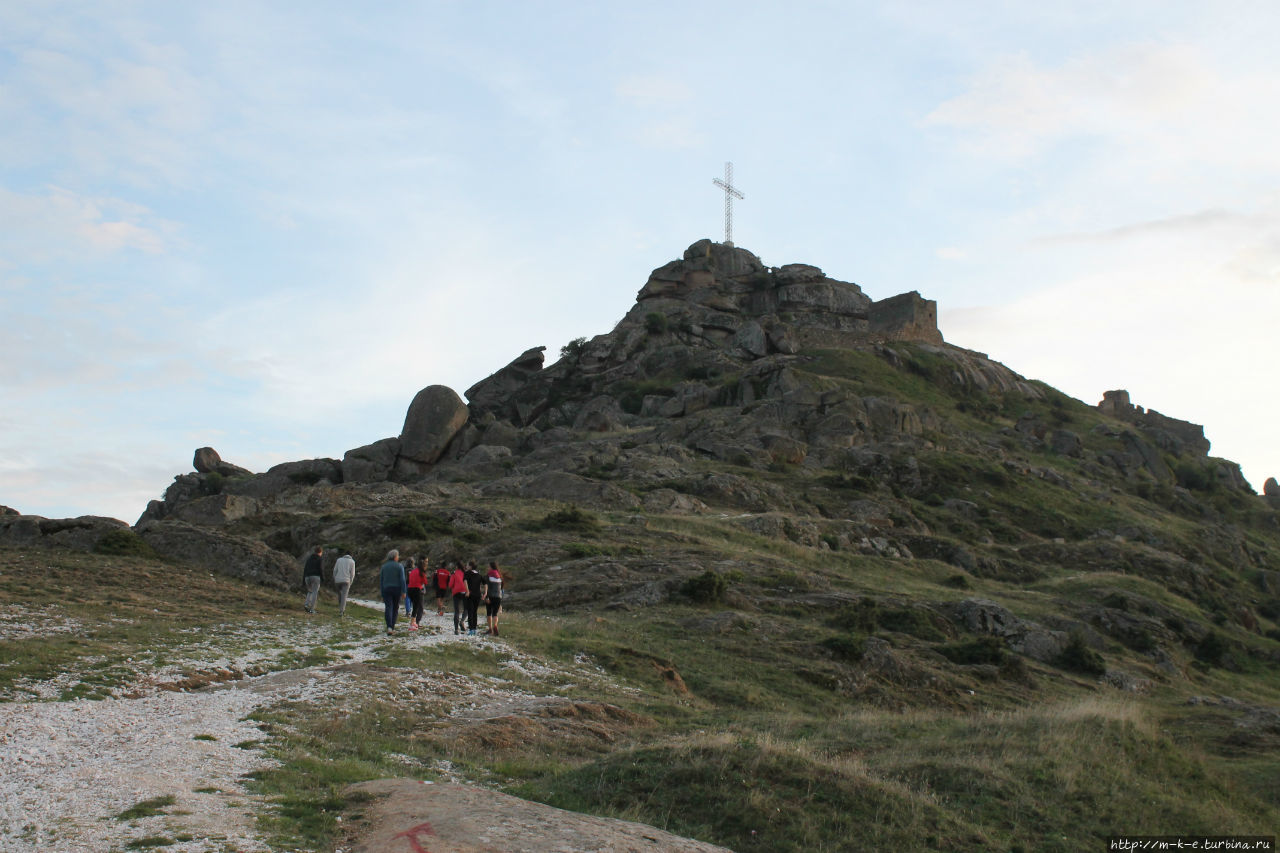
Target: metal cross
{"points": [[730, 193]]}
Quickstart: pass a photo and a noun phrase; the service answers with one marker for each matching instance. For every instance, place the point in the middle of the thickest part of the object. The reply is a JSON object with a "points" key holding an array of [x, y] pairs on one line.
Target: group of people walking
{"points": [[410, 581]]}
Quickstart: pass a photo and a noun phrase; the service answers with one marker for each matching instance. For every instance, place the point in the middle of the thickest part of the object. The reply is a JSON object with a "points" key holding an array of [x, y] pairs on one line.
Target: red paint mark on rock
{"points": [[412, 836]]}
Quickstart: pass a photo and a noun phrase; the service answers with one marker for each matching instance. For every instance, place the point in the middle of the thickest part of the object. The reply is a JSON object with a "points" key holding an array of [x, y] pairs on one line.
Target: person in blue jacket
{"points": [[394, 588]]}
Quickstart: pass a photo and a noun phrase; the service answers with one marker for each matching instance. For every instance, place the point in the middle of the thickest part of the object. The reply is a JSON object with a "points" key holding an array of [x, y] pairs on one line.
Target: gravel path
{"points": [[69, 769]]}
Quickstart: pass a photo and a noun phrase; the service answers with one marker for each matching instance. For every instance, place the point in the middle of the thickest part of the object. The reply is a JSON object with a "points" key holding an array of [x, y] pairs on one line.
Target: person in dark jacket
{"points": [[493, 597], [394, 587], [475, 591], [312, 572]]}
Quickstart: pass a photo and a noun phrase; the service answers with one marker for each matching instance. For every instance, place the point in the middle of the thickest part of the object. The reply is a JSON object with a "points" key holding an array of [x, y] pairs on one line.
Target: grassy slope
{"points": [[785, 715]]}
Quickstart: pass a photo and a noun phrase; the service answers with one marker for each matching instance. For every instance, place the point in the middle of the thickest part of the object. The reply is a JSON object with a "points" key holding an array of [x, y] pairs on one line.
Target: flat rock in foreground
{"points": [[405, 816]]}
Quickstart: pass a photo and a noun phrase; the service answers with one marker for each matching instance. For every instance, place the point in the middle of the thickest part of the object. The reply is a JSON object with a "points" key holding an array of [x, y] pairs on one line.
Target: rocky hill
{"points": [[846, 513]]}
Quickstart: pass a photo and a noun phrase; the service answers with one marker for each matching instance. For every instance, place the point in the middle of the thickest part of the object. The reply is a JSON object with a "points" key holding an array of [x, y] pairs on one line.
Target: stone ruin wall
{"points": [[905, 317]]}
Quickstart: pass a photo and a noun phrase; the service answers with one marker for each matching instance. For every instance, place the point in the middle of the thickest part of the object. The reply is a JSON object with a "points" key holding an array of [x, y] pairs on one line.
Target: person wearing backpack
{"points": [[475, 590], [458, 588], [493, 597]]}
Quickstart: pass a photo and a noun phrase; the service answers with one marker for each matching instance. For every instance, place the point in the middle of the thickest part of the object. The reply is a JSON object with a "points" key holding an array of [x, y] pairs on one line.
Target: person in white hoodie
{"points": [[344, 572]]}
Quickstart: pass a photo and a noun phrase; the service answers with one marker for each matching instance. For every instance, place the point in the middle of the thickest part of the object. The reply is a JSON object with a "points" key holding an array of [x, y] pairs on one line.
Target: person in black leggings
{"points": [[458, 588], [475, 589]]}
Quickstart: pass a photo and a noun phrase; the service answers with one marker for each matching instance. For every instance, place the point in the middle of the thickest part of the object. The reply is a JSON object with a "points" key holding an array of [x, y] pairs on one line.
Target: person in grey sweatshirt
{"points": [[344, 572]]}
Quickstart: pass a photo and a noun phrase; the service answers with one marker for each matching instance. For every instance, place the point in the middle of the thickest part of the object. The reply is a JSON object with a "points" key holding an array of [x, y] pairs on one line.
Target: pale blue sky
{"points": [[264, 226]]}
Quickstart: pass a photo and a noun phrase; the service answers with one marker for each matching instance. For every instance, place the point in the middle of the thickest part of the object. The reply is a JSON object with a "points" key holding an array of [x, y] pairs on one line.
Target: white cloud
{"points": [[1157, 107], [60, 223]]}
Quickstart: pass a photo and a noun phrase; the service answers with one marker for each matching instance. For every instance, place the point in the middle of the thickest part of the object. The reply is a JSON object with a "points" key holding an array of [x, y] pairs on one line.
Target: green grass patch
{"points": [[148, 808]]}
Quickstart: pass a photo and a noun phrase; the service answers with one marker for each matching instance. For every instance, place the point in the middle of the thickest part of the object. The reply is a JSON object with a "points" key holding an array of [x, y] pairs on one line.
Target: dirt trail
{"points": [[181, 744], [69, 769]]}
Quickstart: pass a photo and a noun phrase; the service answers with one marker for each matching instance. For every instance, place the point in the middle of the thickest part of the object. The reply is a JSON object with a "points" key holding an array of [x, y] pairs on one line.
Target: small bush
{"points": [[147, 808], [568, 517], [959, 581], [1211, 649], [862, 616], [980, 650], [212, 483], [1116, 601], [846, 647], [1076, 656], [655, 323], [707, 588], [585, 549], [574, 349], [123, 542], [416, 525]]}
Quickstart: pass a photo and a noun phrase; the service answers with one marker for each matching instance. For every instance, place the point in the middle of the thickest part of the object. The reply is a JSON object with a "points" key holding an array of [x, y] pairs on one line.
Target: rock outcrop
{"points": [[207, 461], [84, 533], [1170, 434], [219, 551], [435, 416]]}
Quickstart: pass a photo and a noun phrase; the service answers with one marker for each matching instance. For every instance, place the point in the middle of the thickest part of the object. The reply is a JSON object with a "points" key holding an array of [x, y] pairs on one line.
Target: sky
{"points": [[263, 227]]}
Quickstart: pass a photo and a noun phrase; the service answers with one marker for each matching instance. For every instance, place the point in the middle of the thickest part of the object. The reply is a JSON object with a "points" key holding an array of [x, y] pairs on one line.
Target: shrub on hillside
{"points": [[655, 323], [846, 647], [123, 543], [212, 483], [568, 517], [1076, 656], [980, 650], [586, 549], [1211, 649], [574, 349], [706, 588], [416, 525]]}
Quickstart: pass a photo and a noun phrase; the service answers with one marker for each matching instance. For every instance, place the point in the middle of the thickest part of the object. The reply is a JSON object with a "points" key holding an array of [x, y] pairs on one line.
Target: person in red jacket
{"points": [[441, 585], [458, 587], [417, 590]]}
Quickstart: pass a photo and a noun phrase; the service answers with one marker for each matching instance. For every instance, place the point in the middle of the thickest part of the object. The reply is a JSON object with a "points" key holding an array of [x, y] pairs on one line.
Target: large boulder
{"points": [[435, 416], [207, 461], [372, 463]]}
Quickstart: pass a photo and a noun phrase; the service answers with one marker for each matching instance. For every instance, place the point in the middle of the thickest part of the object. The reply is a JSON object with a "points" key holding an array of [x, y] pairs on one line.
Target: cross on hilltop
{"points": [[730, 193]]}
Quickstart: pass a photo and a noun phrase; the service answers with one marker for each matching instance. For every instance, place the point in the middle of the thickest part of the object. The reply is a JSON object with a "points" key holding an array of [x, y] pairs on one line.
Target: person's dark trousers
{"points": [[459, 612], [391, 606], [473, 604]]}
